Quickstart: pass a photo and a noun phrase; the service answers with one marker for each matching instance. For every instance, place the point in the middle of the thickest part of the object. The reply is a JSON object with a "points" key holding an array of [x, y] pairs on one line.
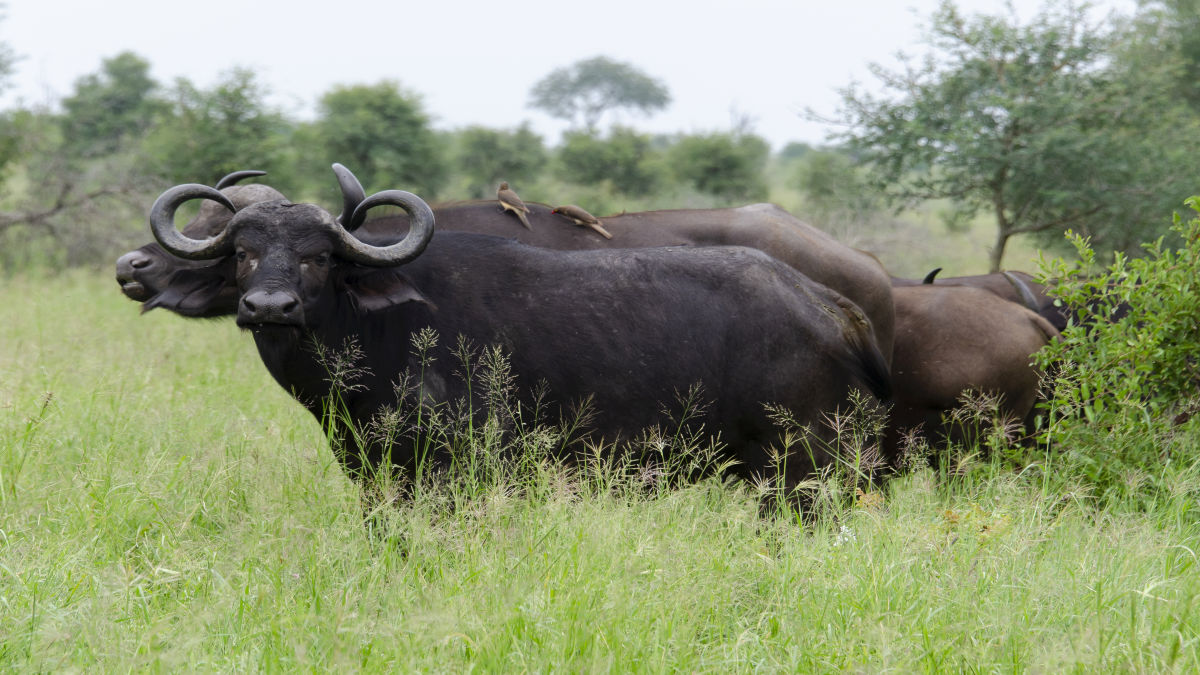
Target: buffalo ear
{"points": [[376, 289]]}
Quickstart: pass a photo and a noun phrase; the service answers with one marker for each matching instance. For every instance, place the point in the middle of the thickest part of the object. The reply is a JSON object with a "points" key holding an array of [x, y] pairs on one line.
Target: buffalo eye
{"points": [[241, 256], [319, 260]]}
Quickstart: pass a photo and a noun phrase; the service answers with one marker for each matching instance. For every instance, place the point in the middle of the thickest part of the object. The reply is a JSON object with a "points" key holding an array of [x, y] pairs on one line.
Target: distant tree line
{"points": [[91, 166], [1060, 123]]}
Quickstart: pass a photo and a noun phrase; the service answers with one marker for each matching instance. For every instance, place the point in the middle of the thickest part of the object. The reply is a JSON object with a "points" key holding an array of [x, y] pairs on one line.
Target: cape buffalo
{"points": [[954, 339], [855, 274], [1014, 286], [932, 328], [626, 329], [158, 279]]}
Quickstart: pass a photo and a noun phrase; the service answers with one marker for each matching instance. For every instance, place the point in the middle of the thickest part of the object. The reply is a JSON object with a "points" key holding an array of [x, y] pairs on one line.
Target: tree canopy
{"points": [[1173, 27], [207, 133], [1038, 124], [383, 132], [587, 89], [116, 104]]}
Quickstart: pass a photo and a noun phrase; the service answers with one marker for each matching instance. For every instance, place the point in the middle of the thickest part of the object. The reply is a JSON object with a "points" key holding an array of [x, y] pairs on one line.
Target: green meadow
{"points": [[165, 506]]}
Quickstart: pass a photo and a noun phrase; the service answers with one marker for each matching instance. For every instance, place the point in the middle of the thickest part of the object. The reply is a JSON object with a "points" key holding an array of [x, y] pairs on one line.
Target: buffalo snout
{"points": [[130, 267], [270, 307], [134, 260]]}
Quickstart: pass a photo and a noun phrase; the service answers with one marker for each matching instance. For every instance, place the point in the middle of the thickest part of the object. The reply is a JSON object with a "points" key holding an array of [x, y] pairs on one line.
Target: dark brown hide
{"points": [[855, 274], [998, 285], [626, 330], [954, 339]]}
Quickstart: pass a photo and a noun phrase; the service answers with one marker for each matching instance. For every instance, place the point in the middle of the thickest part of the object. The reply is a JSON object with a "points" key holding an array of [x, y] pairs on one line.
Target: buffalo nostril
{"points": [[131, 262], [269, 307]]}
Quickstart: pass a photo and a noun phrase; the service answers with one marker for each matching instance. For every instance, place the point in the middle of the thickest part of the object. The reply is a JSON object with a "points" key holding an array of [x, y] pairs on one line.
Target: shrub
{"points": [[831, 186], [1128, 365], [625, 159], [487, 156], [728, 166]]}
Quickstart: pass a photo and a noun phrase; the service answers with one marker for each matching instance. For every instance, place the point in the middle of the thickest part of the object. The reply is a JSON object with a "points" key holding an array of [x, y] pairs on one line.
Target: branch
{"points": [[62, 202], [923, 193], [1039, 227]]}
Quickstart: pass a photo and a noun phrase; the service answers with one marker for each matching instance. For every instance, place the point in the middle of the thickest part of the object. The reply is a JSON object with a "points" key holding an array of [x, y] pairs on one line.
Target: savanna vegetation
{"points": [[164, 505], [167, 506]]}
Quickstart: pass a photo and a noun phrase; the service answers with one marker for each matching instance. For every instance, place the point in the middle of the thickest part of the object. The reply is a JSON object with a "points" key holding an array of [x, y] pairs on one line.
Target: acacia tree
{"points": [[1034, 123], [589, 88]]}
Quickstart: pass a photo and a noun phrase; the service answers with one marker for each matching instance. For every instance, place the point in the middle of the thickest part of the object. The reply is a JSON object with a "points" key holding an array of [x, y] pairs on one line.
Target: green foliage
{"points": [[1171, 28], [589, 88], [487, 156], [209, 133], [832, 184], [795, 150], [382, 132], [22, 132], [61, 210], [8, 60], [1120, 383], [110, 107], [1038, 124], [1157, 128], [309, 172], [625, 159], [729, 166]]}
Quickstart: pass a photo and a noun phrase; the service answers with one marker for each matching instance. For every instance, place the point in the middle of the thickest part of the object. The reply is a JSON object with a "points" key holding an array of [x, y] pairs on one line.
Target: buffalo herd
{"points": [[755, 309]]}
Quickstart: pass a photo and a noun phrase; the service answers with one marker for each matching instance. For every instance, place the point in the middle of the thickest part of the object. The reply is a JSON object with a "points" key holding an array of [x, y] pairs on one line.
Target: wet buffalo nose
{"points": [[269, 307]]}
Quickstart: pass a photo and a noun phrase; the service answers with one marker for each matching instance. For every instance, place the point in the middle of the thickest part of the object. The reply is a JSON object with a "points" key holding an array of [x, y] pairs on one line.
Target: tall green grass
{"points": [[165, 506]]}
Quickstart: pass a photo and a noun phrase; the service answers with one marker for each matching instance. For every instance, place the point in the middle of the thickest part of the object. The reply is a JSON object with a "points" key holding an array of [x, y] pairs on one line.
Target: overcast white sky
{"points": [[474, 63]]}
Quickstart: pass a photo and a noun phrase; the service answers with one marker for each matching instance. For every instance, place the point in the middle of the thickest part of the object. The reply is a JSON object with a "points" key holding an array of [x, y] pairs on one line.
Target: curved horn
{"points": [[162, 223], [352, 194], [1023, 291], [929, 277], [420, 231], [236, 176]]}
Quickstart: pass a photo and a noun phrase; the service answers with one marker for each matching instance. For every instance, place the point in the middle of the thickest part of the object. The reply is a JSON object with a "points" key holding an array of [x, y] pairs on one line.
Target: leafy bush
{"points": [[831, 185], [729, 166], [382, 131], [207, 133], [1128, 366], [487, 156], [626, 159]]}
